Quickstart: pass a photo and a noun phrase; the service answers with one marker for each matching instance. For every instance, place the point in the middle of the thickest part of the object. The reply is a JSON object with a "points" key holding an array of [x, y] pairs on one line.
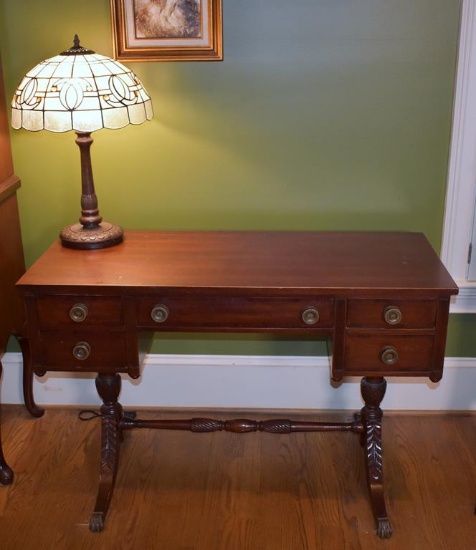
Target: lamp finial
{"points": [[77, 49]]}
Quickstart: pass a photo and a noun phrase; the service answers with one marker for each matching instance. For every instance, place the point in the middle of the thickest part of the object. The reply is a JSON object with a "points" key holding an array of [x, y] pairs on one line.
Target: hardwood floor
{"points": [[223, 491]]}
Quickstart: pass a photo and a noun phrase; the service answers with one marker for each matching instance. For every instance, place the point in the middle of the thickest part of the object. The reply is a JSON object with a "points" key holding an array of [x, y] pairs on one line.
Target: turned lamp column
{"points": [[91, 232], [89, 202]]}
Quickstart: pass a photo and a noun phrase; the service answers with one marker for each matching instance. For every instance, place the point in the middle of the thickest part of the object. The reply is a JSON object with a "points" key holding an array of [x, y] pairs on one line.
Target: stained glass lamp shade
{"points": [[82, 91]]}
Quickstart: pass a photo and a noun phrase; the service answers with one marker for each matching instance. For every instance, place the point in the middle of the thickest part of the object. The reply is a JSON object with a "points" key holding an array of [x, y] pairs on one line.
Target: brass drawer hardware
{"points": [[78, 313], [392, 315], [81, 351], [310, 316], [159, 313], [389, 355]]}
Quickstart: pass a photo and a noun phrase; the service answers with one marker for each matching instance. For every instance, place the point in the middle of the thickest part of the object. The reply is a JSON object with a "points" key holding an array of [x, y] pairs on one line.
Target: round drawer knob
{"points": [[159, 313], [78, 313], [310, 316], [392, 315], [389, 355], [81, 351]]}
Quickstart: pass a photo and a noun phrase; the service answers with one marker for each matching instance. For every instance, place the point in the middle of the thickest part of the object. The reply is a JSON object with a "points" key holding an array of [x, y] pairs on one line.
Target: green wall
{"points": [[323, 115]]}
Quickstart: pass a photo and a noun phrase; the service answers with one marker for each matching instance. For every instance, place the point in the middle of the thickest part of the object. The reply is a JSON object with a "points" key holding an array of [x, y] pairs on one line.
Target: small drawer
{"points": [[391, 314], [80, 311], [189, 312], [88, 351], [375, 354]]}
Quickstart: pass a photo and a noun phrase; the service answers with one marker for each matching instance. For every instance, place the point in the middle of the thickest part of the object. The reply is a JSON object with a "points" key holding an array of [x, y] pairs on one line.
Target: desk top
{"points": [[291, 262]]}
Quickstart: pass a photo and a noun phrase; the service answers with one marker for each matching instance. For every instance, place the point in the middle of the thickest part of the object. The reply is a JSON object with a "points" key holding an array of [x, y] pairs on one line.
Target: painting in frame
{"points": [[167, 30]]}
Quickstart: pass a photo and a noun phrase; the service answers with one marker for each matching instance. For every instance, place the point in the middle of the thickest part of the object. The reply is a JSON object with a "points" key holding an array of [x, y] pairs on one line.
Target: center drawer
{"points": [[188, 312]]}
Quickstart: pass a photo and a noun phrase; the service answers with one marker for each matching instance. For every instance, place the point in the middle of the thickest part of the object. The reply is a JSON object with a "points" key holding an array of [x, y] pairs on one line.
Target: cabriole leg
{"points": [[6, 473], [28, 378], [373, 391]]}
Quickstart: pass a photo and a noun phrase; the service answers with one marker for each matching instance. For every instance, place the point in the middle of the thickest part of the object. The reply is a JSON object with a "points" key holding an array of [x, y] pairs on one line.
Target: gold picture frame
{"points": [[167, 30]]}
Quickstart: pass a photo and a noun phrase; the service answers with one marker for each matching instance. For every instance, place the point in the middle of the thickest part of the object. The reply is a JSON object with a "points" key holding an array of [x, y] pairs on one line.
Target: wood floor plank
{"points": [[224, 491]]}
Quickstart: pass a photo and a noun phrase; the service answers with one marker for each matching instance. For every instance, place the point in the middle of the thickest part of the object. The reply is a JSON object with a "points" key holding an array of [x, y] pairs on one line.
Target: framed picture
{"points": [[167, 30]]}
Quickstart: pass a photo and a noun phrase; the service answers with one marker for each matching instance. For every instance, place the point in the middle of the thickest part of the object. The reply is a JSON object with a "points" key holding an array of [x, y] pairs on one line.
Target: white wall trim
{"points": [[246, 382], [465, 301], [461, 186]]}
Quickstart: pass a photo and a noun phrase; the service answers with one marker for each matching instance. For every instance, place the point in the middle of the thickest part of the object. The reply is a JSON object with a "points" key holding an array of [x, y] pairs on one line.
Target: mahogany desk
{"points": [[381, 298]]}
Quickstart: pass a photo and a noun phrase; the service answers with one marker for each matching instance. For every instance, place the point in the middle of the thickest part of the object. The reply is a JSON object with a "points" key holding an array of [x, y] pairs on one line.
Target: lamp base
{"points": [[101, 235]]}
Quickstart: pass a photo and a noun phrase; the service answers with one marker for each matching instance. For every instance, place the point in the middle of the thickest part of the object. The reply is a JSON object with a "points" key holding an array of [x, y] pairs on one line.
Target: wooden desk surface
{"points": [[291, 262]]}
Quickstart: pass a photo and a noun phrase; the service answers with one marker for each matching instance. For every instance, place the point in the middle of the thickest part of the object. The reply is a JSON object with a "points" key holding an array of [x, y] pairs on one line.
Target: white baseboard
{"points": [[246, 382]]}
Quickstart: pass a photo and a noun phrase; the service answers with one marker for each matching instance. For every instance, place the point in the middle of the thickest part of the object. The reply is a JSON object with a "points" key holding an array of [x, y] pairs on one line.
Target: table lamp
{"points": [[82, 91]]}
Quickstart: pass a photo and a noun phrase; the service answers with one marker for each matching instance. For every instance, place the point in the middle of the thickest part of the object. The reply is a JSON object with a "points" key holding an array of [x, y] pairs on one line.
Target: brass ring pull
{"points": [[392, 315], [159, 313], [78, 313], [81, 351], [389, 355], [310, 316]]}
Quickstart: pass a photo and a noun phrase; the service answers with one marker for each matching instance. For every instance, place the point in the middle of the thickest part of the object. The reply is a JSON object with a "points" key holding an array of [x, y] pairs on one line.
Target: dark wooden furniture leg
{"points": [[28, 375], [108, 387], [373, 391], [6, 473]]}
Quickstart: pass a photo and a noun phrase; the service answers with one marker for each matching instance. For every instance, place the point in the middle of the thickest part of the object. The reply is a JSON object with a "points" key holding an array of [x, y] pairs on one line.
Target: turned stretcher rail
{"points": [[242, 425]]}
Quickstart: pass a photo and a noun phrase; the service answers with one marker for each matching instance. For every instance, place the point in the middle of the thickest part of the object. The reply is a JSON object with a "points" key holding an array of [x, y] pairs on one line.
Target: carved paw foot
{"points": [[6, 475], [384, 529], [96, 523]]}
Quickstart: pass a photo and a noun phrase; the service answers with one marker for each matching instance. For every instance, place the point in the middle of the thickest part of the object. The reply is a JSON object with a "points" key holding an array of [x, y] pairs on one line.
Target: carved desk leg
{"points": [[6, 473], [108, 387], [30, 404], [373, 391]]}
